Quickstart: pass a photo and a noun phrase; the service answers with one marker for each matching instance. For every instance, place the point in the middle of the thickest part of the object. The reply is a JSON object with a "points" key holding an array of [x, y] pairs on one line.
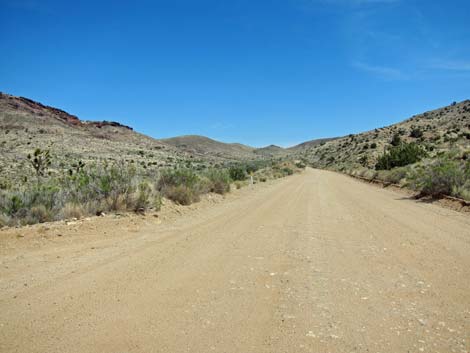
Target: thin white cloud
{"points": [[451, 65], [383, 72]]}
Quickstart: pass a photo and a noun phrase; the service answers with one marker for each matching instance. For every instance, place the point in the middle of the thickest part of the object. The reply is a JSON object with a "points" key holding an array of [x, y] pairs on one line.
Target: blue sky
{"points": [[256, 72]]}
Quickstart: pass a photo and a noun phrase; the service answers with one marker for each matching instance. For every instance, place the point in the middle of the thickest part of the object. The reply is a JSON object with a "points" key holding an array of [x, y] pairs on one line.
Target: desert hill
{"points": [[437, 131], [204, 146], [27, 125]]}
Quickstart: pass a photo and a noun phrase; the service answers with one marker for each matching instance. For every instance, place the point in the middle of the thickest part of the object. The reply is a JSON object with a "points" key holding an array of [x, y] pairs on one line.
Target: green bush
{"points": [[287, 171], [237, 173], [396, 140], [398, 156], [182, 186], [84, 190], [175, 177], [416, 133], [219, 181], [442, 177], [142, 201]]}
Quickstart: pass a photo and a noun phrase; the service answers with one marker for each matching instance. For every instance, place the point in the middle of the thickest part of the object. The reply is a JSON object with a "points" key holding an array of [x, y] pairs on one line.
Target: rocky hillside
{"points": [[27, 125], [304, 146], [437, 131]]}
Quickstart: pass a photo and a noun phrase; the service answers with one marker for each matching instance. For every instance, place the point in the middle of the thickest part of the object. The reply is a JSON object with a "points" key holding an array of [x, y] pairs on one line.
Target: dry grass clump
{"points": [[72, 210]]}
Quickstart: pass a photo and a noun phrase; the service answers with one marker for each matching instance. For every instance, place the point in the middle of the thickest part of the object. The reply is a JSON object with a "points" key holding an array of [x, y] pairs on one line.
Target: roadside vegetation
{"points": [[428, 153], [52, 191], [446, 174]]}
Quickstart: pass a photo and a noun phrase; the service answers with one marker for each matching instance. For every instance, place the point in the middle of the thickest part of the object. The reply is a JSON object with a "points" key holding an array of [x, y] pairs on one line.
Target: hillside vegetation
{"points": [[429, 152], [55, 166]]}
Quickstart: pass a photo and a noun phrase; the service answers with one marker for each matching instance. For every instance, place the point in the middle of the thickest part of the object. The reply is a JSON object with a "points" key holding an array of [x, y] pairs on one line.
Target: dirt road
{"points": [[317, 262]]}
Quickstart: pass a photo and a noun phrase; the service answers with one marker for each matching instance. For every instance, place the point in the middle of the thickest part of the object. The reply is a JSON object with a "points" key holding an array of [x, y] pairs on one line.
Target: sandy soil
{"points": [[317, 262]]}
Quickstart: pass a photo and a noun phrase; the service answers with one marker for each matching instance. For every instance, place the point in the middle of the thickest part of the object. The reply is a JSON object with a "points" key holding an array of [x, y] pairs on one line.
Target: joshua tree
{"points": [[40, 161]]}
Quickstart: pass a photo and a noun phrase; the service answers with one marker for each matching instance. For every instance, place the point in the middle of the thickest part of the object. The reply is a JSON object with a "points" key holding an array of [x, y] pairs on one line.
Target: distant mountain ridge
{"points": [[26, 104], [202, 145]]}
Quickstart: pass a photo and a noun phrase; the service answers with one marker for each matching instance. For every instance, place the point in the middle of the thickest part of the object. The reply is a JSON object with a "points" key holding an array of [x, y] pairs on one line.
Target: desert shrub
{"points": [[182, 186], [237, 173], [219, 181], [39, 214], [442, 177], [373, 145], [72, 210], [157, 201], [366, 173], [4, 220], [76, 192], [363, 160], [287, 171], [182, 176], [111, 186], [398, 156], [394, 176], [396, 140], [142, 201], [12, 204], [181, 194], [416, 133], [239, 184]]}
